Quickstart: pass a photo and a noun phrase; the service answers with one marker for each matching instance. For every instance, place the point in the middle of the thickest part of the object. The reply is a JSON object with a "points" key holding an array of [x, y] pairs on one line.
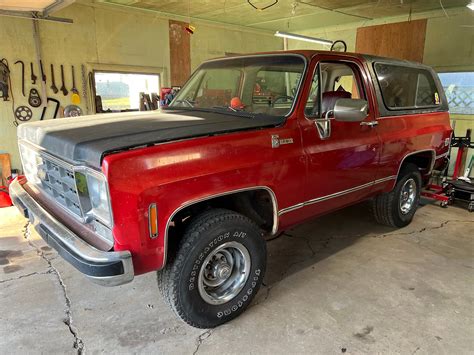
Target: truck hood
{"points": [[87, 139]]}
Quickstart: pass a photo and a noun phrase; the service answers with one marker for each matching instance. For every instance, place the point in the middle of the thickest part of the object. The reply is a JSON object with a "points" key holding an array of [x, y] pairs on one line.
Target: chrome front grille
{"points": [[51, 176]]}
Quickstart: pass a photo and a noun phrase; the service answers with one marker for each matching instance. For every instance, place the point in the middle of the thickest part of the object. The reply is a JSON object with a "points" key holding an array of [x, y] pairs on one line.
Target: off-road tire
{"points": [[178, 281], [386, 207]]}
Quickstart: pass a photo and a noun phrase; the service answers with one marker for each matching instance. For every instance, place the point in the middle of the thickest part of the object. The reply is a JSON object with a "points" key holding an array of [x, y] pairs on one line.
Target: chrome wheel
{"points": [[224, 273], [408, 196]]}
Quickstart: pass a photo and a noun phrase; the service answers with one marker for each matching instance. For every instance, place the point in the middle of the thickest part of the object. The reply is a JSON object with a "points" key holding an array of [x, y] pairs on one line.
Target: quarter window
{"points": [[406, 87]]}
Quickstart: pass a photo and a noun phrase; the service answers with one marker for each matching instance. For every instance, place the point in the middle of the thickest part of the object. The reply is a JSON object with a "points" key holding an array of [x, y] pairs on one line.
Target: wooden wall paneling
{"points": [[180, 53], [402, 40]]}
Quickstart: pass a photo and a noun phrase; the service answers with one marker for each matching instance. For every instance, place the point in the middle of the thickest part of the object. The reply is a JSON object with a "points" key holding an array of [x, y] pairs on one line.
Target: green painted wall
{"points": [[215, 41]]}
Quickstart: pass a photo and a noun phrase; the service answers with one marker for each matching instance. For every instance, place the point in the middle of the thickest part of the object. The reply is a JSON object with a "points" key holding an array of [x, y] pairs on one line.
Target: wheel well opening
{"points": [[423, 160], [257, 205]]}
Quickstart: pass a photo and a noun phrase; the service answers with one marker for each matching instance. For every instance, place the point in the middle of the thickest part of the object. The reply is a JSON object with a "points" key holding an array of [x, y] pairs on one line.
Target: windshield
{"points": [[247, 85]]}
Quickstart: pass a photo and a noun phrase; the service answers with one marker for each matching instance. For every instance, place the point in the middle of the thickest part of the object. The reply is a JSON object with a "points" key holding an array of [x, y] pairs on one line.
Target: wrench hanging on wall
{"points": [[43, 76], [22, 76], [53, 83], [63, 86], [33, 76]]}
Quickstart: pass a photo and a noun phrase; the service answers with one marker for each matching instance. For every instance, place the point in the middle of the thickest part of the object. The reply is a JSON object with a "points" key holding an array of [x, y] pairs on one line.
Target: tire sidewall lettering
{"points": [[236, 305]]}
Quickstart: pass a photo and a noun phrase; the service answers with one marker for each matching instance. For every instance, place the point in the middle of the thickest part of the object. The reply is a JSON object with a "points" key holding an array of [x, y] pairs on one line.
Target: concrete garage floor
{"points": [[340, 284]]}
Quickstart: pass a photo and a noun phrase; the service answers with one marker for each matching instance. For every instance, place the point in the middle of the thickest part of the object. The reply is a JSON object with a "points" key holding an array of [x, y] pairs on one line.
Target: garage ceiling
{"points": [[310, 13]]}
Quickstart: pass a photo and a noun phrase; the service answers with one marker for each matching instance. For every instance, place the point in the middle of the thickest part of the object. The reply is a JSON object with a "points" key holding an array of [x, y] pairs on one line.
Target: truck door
{"points": [[342, 157]]}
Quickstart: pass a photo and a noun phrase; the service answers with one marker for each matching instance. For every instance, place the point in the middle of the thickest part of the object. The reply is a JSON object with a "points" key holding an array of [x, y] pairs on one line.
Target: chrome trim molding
{"points": [[209, 197], [433, 158], [70, 242], [334, 195], [442, 155]]}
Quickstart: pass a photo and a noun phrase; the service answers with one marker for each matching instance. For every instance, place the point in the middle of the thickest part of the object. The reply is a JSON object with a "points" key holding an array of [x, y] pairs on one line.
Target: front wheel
{"points": [[397, 207], [217, 270]]}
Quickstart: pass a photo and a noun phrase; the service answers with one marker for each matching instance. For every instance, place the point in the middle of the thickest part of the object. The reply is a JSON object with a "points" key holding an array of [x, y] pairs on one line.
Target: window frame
{"points": [[356, 70], [111, 71], [304, 73]]}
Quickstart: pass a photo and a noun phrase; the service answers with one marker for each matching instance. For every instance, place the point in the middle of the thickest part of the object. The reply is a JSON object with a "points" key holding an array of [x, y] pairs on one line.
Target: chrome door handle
{"points": [[370, 123]]}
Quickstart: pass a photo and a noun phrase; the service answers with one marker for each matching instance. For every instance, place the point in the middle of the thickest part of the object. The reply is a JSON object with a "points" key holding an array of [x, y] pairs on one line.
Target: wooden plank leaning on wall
{"points": [[180, 53], [402, 40]]}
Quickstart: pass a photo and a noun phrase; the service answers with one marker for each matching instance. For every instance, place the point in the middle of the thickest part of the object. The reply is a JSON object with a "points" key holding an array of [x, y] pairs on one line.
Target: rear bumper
{"points": [[101, 267]]}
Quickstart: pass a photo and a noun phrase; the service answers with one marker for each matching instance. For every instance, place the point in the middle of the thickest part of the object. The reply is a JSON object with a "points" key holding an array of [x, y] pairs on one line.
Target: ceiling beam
{"points": [[34, 16], [56, 6]]}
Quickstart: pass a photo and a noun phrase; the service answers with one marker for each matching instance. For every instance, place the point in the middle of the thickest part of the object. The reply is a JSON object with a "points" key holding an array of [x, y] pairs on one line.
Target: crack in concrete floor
{"points": [[78, 343], [26, 275], [200, 339], [326, 243]]}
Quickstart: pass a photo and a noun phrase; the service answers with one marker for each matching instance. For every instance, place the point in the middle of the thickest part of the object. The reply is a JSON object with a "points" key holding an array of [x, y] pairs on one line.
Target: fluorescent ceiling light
{"points": [[471, 5], [303, 38]]}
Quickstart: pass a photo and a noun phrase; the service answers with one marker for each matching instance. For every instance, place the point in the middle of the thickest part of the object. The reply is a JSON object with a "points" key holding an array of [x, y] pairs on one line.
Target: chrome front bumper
{"points": [[106, 268]]}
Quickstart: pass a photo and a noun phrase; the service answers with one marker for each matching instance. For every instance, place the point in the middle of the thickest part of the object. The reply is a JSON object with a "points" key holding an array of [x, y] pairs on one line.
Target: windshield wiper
{"points": [[186, 101], [225, 108], [232, 111]]}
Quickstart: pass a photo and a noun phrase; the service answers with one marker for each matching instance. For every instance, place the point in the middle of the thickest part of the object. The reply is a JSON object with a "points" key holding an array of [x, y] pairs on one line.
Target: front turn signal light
{"points": [[153, 220]]}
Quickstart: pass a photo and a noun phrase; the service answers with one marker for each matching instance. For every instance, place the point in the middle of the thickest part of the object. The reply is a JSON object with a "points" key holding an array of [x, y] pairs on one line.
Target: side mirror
{"points": [[350, 110]]}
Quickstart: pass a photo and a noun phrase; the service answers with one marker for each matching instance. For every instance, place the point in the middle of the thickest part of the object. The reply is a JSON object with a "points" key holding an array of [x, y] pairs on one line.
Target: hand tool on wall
{"points": [[84, 86], [23, 113], [34, 99], [33, 76], [50, 99], [75, 98], [22, 76], [53, 83], [43, 76], [63, 87], [4, 79]]}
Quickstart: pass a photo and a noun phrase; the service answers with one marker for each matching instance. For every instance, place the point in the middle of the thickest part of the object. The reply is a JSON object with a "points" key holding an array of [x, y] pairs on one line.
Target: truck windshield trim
{"points": [[182, 101]]}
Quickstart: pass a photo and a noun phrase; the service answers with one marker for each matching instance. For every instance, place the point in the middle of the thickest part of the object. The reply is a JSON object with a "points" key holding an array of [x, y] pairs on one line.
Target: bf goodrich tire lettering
{"points": [[214, 235]]}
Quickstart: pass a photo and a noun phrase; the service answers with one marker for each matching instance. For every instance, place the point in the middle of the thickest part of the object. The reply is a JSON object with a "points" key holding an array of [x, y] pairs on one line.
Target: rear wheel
{"points": [[217, 270], [397, 207]]}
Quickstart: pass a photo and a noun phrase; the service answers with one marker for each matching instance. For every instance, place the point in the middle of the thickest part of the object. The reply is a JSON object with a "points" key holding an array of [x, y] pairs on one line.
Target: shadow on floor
{"points": [[305, 245]]}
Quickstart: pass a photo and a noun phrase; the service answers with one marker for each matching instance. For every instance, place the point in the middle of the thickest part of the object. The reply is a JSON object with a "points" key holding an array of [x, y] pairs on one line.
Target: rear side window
{"points": [[406, 87]]}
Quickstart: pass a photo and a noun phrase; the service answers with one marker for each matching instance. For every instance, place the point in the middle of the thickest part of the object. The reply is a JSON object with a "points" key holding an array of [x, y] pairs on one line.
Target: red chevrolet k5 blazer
{"points": [[251, 146]]}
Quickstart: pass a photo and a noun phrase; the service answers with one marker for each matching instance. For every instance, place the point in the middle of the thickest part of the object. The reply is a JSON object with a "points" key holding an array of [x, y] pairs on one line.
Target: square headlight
{"points": [[94, 195]]}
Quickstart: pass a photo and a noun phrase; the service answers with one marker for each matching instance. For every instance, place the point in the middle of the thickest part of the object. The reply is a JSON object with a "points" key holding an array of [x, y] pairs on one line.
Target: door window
{"points": [[335, 81]]}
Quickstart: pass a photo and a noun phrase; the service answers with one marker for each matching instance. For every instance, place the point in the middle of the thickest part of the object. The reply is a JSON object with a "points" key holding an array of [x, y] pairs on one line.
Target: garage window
{"points": [[459, 90], [121, 91], [405, 87]]}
